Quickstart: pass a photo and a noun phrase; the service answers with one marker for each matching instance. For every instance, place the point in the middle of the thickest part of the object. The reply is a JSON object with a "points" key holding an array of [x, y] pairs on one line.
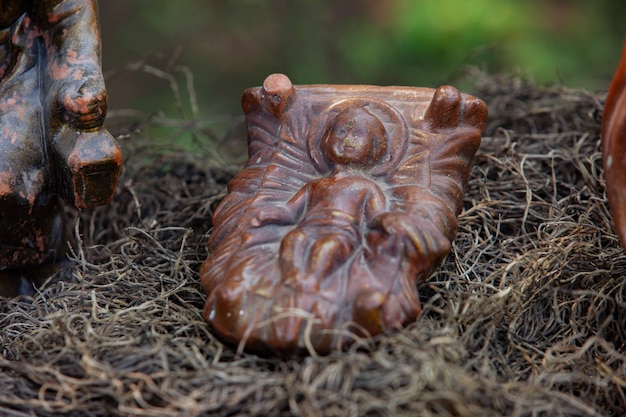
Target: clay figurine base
{"points": [[348, 200]]}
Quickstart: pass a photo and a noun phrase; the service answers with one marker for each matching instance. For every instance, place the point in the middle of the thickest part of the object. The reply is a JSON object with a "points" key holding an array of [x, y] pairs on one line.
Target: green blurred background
{"points": [[217, 48]]}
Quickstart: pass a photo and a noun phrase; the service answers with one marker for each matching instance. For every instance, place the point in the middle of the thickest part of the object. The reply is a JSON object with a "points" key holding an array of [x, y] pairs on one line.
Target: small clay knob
{"points": [[279, 92]]}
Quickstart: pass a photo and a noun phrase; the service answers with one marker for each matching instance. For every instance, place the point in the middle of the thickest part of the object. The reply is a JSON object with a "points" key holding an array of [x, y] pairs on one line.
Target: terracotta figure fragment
{"points": [[52, 142], [614, 146], [348, 200]]}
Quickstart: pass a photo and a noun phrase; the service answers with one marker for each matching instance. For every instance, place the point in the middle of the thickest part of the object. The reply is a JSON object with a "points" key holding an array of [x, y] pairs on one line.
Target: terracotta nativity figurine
{"points": [[53, 145], [614, 147], [348, 200]]}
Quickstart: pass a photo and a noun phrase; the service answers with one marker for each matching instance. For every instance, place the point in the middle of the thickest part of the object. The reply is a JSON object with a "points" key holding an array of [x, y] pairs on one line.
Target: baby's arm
{"points": [[285, 214], [425, 240], [376, 202]]}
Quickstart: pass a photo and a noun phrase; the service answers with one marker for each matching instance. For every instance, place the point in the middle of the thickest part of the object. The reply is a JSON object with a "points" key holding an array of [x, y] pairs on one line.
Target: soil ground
{"points": [[525, 317]]}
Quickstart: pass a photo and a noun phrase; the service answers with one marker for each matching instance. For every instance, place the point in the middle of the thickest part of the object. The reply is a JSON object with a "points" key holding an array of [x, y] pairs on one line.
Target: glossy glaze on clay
{"points": [[614, 147], [348, 200], [53, 146]]}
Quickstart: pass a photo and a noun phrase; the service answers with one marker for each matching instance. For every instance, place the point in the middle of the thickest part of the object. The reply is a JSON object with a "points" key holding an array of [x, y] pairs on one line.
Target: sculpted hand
{"points": [[73, 79], [277, 215], [423, 240], [83, 105]]}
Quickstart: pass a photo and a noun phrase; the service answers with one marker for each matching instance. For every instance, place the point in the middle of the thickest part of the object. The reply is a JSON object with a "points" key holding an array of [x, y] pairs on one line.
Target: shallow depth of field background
{"points": [[525, 317], [218, 48]]}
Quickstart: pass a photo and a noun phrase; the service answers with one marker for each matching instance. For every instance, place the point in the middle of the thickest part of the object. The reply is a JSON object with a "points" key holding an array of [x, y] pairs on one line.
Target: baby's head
{"points": [[355, 137]]}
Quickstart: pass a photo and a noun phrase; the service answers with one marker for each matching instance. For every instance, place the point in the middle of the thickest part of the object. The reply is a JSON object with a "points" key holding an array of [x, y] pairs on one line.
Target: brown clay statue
{"points": [[348, 200], [52, 142], [614, 147]]}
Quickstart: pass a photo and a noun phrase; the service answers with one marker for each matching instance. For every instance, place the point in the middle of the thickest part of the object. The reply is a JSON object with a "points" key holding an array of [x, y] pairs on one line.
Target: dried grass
{"points": [[524, 318]]}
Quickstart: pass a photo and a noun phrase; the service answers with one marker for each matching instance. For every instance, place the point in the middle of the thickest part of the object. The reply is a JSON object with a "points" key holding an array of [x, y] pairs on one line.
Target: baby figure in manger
{"points": [[332, 212]]}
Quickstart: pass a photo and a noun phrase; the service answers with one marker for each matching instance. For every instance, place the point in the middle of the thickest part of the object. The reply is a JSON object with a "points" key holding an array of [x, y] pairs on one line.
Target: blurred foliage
{"points": [[228, 46]]}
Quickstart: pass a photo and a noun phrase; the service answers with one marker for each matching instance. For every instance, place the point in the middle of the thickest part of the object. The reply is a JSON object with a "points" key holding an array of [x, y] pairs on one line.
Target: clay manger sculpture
{"points": [[53, 145], [348, 200]]}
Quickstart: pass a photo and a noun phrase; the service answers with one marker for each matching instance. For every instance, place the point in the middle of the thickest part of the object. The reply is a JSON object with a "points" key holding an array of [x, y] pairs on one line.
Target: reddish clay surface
{"points": [[614, 147], [348, 200]]}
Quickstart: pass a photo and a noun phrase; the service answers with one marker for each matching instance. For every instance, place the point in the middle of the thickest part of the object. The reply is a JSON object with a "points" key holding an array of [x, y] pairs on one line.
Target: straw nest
{"points": [[526, 316]]}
